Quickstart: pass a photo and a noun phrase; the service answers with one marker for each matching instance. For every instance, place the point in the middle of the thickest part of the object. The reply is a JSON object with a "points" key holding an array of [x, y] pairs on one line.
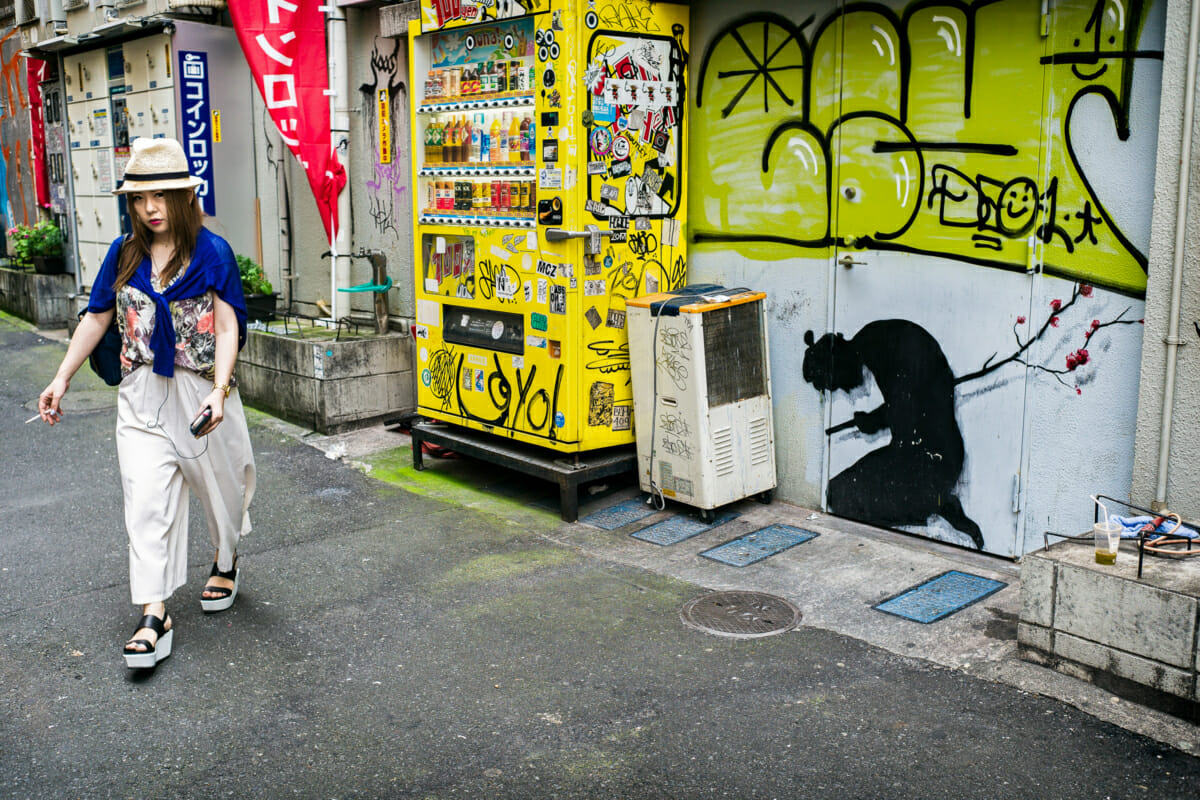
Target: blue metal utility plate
{"points": [[760, 544], [676, 529], [620, 515], [939, 597]]}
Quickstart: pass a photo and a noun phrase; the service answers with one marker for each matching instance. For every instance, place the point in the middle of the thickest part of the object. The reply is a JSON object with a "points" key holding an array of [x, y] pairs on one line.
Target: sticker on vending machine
{"points": [[600, 404], [558, 300], [593, 317]]}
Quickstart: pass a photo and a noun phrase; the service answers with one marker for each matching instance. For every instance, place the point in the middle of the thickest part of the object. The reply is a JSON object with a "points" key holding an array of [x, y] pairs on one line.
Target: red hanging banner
{"points": [[35, 73], [284, 44]]}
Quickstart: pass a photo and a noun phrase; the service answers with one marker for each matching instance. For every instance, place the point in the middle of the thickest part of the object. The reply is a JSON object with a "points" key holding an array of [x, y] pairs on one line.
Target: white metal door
{"points": [[925, 383]]}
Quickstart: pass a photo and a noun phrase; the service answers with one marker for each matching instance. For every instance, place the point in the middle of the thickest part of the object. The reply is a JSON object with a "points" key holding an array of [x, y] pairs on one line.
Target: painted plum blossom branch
{"points": [[1074, 360]]}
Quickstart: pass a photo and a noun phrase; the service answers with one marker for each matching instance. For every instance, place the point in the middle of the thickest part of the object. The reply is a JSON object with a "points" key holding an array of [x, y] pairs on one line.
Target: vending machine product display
{"points": [[549, 181]]}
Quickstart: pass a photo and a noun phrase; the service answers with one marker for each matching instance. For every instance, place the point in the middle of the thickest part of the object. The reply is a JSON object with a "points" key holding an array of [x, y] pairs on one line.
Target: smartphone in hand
{"points": [[202, 419]]}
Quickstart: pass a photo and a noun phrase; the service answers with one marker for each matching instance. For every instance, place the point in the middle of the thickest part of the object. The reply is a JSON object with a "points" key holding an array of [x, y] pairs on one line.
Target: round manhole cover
{"points": [[84, 400], [741, 615]]}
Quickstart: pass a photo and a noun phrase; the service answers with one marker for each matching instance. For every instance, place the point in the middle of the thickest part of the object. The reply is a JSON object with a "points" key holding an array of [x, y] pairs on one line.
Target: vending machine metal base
{"points": [[568, 473]]}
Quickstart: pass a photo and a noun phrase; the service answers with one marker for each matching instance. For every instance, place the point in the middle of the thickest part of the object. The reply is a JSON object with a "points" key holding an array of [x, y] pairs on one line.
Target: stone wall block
{"points": [[1126, 615], [1037, 590], [1126, 665]]}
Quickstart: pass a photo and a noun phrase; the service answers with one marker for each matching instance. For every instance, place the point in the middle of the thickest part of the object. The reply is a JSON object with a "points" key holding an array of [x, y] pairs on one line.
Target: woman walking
{"points": [[177, 296]]}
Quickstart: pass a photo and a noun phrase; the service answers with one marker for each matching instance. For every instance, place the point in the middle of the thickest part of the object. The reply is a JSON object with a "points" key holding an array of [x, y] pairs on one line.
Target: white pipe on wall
{"points": [[339, 131], [1172, 340]]}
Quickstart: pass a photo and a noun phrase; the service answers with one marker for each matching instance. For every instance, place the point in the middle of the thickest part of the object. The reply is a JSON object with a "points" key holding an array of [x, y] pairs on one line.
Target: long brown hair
{"points": [[185, 217]]}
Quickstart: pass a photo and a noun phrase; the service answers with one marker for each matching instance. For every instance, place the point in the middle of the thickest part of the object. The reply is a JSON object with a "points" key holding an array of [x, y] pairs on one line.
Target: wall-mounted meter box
{"points": [[191, 84], [549, 187]]}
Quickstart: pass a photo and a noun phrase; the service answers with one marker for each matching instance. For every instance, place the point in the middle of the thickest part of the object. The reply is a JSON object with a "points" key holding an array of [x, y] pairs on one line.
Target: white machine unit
{"points": [[702, 395]]}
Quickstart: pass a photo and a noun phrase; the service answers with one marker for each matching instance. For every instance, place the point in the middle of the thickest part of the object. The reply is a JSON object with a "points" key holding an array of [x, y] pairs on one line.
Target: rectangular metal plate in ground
{"points": [[758, 545], [676, 529], [940, 597], [620, 515]]}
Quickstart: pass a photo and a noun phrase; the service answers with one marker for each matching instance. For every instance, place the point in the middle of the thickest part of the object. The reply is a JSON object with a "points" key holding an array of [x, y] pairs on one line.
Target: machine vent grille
{"points": [[723, 461], [760, 441], [733, 353], [72, 5]]}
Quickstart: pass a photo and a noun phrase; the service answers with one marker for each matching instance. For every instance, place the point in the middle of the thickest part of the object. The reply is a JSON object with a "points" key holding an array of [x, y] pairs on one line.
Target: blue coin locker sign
{"points": [[197, 123]]}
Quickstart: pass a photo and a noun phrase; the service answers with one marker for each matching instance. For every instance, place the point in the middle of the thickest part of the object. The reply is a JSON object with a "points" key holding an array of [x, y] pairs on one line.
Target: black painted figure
{"points": [[914, 476]]}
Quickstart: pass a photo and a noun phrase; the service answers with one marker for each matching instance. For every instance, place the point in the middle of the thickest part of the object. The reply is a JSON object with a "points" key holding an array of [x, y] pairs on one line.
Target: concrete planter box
{"points": [[43, 300], [1135, 637], [329, 386]]}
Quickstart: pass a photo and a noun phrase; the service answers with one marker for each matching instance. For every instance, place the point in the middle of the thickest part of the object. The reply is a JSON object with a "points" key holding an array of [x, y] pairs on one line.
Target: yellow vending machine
{"points": [[550, 146]]}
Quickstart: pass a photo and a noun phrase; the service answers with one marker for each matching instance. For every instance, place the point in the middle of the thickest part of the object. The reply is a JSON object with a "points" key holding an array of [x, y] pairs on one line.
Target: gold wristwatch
{"points": [[224, 387]]}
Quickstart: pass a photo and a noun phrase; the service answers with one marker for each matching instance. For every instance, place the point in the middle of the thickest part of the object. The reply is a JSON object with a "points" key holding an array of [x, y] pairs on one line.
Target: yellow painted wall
{"points": [[793, 110]]}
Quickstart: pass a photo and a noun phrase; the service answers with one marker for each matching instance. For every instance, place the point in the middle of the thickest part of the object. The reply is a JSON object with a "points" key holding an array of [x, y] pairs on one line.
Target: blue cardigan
{"points": [[213, 266]]}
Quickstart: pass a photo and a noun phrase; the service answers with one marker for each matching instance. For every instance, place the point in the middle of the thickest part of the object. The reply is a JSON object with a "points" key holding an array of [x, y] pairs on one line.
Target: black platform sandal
{"points": [[150, 654], [227, 596]]}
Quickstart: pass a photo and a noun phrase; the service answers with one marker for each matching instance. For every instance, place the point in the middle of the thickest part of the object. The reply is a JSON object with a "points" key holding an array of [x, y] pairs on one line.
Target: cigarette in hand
{"points": [[51, 412]]}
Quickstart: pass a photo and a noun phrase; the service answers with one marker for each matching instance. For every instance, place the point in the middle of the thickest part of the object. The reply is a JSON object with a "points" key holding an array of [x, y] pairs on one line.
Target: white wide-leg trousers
{"points": [[160, 461]]}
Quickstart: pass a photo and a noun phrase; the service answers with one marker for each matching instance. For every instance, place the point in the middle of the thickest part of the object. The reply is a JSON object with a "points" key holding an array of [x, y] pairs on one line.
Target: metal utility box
{"points": [[702, 395]]}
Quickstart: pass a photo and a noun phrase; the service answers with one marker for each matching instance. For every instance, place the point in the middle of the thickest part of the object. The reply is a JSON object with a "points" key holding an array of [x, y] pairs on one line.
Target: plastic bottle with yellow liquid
{"points": [[514, 139]]}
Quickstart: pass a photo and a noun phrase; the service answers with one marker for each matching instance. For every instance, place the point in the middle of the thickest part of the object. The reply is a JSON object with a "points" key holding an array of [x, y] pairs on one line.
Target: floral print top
{"points": [[195, 331]]}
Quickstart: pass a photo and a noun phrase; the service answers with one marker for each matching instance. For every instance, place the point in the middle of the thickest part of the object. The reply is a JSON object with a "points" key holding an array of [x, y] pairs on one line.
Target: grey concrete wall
{"points": [[1101, 623], [1183, 490], [327, 385], [379, 192], [41, 299]]}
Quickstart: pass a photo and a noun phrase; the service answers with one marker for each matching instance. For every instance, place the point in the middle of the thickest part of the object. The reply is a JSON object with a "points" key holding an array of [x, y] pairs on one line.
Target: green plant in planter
{"points": [[253, 279], [44, 239]]}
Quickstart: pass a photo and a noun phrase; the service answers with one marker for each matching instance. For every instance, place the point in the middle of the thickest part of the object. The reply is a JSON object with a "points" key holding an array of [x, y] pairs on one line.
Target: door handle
{"points": [[590, 232], [848, 261], [559, 235]]}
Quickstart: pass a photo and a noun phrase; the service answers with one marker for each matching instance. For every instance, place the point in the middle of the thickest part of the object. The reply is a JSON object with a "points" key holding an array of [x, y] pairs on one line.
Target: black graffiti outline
{"points": [[500, 394], [487, 272], [1126, 56], [381, 211], [443, 374]]}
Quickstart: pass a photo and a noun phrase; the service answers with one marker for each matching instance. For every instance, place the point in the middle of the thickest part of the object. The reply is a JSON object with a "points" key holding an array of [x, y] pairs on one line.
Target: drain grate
{"points": [[619, 515], [760, 544], [939, 597], [740, 615], [675, 529]]}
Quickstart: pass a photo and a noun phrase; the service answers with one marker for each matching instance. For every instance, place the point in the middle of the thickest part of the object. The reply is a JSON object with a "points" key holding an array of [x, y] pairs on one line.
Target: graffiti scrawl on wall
{"points": [[389, 181], [949, 128], [18, 198]]}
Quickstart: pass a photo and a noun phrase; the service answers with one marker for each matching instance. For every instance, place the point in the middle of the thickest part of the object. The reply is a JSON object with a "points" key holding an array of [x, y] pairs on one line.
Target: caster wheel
{"points": [[706, 515], [765, 497]]}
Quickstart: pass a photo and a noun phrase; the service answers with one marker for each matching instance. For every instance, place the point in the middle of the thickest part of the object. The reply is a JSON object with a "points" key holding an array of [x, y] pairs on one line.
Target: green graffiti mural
{"points": [[946, 127]]}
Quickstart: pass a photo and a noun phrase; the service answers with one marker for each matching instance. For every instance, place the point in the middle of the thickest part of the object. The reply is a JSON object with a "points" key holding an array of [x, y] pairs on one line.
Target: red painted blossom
{"points": [[1056, 304], [1085, 290], [1020, 320], [1095, 324], [1078, 390], [1054, 321]]}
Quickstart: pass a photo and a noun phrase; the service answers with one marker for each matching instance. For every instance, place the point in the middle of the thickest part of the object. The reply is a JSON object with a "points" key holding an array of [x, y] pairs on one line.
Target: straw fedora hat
{"points": [[156, 165]]}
